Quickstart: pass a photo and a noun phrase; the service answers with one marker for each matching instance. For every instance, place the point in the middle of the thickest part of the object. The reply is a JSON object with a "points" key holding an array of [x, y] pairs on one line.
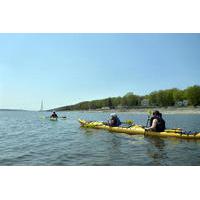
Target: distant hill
{"points": [[162, 98], [12, 110]]}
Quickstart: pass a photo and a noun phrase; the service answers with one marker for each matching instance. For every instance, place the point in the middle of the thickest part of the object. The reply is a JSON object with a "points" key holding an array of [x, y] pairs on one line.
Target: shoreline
{"points": [[169, 110], [145, 110]]}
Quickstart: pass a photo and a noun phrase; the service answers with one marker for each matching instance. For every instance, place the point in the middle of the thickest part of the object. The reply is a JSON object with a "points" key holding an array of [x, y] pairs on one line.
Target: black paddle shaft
{"points": [[148, 121]]}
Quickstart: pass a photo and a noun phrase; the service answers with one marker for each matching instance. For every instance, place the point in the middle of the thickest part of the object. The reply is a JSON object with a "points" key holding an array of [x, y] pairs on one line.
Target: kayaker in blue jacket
{"points": [[114, 120], [157, 123]]}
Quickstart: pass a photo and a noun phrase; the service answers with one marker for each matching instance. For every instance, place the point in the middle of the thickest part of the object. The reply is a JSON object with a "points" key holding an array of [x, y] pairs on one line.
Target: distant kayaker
{"points": [[54, 115], [157, 123], [114, 120]]}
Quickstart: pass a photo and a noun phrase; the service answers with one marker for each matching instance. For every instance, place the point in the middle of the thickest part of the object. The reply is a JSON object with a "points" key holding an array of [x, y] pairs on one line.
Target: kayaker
{"points": [[114, 120], [54, 115], [157, 123]]}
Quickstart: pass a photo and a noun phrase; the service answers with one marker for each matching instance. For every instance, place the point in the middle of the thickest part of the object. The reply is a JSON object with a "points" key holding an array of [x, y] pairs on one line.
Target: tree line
{"points": [[161, 98]]}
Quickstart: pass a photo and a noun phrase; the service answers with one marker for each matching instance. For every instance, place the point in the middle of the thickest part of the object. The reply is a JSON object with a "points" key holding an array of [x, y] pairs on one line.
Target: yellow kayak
{"points": [[139, 130]]}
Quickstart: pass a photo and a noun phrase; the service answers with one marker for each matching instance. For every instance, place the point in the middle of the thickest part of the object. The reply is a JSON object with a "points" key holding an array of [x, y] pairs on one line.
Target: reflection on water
{"points": [[156, 151]]}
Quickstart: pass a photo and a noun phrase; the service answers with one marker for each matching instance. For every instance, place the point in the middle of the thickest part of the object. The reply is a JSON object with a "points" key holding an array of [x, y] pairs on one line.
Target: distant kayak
{"points": [[139, 130], [64, 117], [53, 118]]}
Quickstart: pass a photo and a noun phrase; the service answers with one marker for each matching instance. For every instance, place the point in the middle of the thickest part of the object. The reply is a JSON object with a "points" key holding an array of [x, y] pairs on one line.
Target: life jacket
{"points": [[160, 125], [118, 122], [54, 115], [115, 122]]}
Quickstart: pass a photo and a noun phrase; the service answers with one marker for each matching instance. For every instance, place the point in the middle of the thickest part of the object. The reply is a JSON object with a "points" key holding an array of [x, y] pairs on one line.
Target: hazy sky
{"points": [[64, 69]]}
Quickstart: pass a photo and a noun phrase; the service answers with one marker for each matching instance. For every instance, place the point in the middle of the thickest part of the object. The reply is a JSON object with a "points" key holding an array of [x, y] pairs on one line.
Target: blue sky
{"points": [[64, 69]]}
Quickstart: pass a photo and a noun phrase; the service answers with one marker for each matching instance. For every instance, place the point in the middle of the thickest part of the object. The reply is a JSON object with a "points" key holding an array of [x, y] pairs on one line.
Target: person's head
{"points": [[113, 115], [157, 113], [54, 112]]}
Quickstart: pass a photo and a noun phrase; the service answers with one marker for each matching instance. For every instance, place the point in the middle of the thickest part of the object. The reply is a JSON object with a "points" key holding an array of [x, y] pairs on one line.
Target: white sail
{"points": [[42, 106]]}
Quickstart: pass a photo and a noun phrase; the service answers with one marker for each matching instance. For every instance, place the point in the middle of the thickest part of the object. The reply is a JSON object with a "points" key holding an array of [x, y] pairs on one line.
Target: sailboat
{"points": [[42, 106]]}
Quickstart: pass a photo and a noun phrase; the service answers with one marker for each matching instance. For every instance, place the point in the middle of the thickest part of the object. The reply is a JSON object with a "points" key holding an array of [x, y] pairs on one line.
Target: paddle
{"points": [[149, 117], [128, 121], [46, 117]]}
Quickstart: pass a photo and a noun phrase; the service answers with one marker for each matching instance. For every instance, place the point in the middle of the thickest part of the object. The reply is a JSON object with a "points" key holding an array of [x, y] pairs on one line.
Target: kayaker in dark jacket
{"points": [[54, 115], [157, 123], [114, 120]]}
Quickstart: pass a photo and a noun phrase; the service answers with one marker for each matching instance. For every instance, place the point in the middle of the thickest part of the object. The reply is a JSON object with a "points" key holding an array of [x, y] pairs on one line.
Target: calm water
{"points": [[26, 139]]}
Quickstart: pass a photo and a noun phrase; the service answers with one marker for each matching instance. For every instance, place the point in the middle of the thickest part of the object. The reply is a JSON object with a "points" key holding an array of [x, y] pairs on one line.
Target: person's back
{"points": [[115, 121], [118, 122], [160, 125], [54, 115], [157, 123]]}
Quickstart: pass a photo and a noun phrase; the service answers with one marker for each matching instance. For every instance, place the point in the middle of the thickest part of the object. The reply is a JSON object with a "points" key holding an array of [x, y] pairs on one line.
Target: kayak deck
{"points": [[53, 118], [139, 130]]}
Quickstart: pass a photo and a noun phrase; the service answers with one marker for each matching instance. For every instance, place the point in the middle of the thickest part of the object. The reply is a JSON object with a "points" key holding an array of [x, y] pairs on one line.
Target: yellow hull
{"points": [[139, 130]]}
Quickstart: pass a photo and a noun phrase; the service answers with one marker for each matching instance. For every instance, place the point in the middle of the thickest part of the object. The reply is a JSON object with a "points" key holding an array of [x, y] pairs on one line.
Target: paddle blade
{"points": [[149, 112], [129, 121]]}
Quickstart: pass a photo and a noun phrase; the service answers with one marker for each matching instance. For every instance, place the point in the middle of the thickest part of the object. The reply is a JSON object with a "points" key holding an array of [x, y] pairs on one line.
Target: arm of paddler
{"points": [[153, 126]]}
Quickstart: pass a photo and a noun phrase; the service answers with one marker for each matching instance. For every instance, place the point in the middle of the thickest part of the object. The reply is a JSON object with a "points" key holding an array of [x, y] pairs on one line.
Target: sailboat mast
{"points": [[41, 109]]}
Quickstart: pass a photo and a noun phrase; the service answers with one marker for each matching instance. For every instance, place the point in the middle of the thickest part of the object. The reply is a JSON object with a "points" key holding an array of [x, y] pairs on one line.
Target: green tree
{"points": [[130, 99], [178, 95], [193, 95], [153, 98], [124, 101], [110, 104], [116, 101]]}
